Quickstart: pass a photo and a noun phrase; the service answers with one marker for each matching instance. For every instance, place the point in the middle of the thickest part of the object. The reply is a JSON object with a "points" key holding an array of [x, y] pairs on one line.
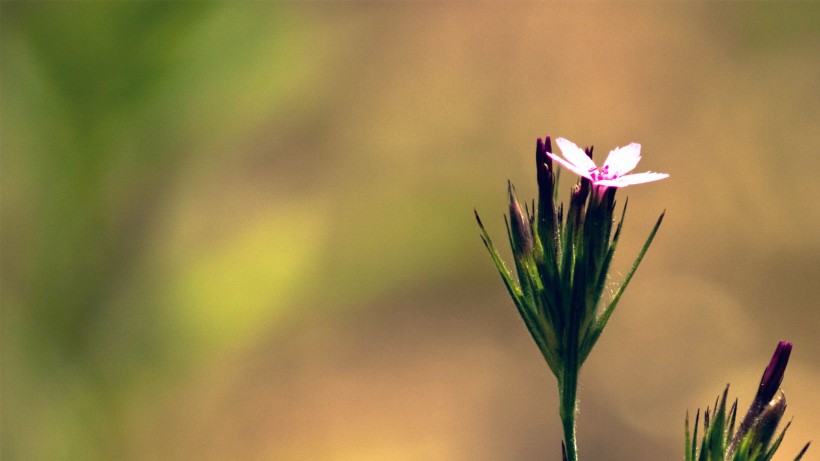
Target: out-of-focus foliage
{"points": [[104, 105], [244, 230]]}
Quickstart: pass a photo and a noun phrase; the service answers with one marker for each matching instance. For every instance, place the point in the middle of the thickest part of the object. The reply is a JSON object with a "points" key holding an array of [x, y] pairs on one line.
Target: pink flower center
{"points": [[602, 174]]}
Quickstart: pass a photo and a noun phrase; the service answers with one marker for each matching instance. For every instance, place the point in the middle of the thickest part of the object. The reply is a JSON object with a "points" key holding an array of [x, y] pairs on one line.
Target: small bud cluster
{"points": [[754, 439]]}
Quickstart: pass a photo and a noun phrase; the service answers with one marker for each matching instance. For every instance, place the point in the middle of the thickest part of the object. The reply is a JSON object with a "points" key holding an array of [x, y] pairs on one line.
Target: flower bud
{"points": [[773, 375], [520, 226], [765, 425], [765, 400], [543, 164], [547, 215]]}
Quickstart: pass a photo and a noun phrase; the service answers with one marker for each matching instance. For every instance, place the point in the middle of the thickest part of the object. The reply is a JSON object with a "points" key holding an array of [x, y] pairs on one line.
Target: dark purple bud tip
{"points": [[541, 157], [543, 168], [773, 375]]}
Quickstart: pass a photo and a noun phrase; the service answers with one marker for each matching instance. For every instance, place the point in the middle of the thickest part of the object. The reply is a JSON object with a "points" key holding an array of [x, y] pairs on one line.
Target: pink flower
{"points": [[614, 172]]}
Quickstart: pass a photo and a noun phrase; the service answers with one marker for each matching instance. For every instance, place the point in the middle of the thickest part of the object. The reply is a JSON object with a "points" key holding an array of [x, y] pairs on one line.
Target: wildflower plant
{"points": [[562, 260]]}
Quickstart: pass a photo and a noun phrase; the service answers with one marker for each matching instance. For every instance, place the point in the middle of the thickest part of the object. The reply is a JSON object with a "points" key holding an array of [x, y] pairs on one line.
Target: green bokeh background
{"points": [[244, 230]]}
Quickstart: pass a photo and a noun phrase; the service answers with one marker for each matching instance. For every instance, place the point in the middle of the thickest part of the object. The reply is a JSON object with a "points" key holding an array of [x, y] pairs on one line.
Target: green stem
{"points": [[568, 405]]}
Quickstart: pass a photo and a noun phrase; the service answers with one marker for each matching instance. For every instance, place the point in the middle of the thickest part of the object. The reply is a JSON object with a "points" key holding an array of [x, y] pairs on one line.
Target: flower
{"points": [[614, 172]]}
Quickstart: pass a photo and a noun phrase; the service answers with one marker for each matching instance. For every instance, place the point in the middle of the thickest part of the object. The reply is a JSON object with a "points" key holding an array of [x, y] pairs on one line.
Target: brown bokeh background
{"points": [[244, 230]]}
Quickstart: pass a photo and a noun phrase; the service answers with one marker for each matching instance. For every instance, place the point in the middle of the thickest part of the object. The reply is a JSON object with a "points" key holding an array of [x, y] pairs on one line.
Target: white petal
{"points": [[575, 169], [632, 179], [576, 156], [623, 159]]}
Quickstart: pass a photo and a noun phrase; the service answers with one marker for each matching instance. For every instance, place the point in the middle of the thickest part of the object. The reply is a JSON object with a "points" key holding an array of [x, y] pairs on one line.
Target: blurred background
{"points": [[244, 230]]}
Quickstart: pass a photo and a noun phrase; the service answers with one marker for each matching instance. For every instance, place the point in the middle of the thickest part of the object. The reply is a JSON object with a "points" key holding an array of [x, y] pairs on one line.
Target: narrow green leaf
{"points": [[695, 435], [730, 432], [776, 443], [718, 429], [802, 452], [517, 295], [506, 276], [592, 338], [600, 283], [687, 443]]}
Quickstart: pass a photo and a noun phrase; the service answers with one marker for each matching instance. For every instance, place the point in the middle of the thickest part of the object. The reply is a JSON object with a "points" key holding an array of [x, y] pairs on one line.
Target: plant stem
{"points": [[568, 389]]}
